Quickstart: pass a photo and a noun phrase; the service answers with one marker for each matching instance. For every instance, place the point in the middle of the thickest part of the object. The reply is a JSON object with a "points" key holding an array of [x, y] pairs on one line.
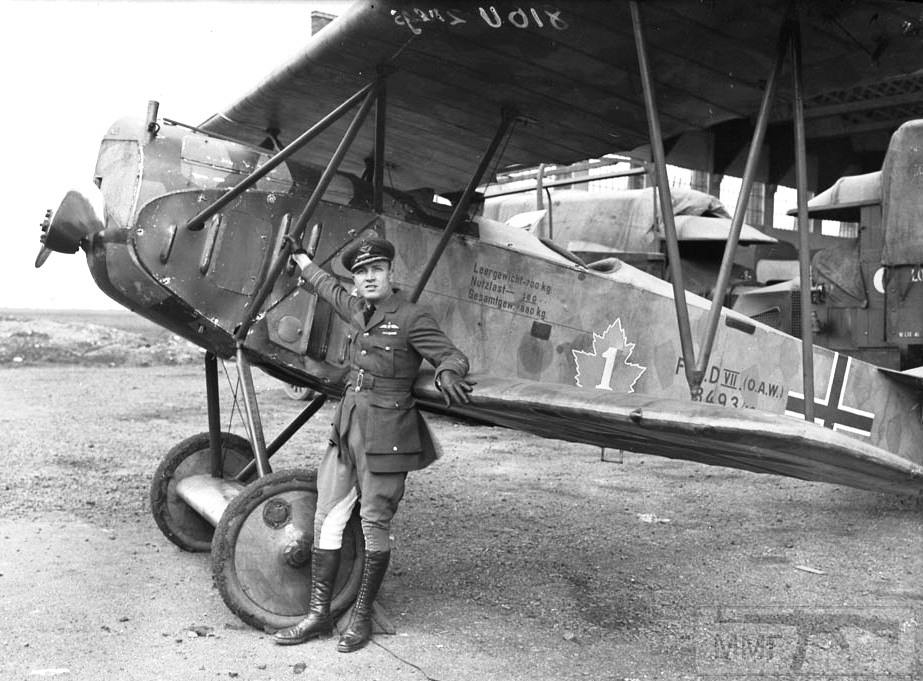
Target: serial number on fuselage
{"points": [[733, 388]]}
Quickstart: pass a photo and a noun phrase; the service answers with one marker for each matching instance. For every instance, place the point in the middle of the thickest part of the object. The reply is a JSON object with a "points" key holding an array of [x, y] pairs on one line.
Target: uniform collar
{"points": [[389, 305]]}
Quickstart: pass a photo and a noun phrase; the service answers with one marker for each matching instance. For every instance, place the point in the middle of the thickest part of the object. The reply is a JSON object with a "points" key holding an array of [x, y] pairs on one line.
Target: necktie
{"points": [[368, 312]]}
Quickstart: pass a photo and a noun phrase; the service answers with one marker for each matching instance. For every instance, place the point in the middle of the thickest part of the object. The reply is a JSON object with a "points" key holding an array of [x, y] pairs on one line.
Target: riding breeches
{"points": [[344, 479]]}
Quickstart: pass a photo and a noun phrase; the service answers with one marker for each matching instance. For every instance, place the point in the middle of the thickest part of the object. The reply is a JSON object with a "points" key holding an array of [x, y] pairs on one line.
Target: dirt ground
{"points": [[515, 558]]}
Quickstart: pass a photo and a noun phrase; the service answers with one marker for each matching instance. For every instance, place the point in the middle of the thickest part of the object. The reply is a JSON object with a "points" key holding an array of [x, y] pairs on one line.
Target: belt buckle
{"points": [[359, 377]]}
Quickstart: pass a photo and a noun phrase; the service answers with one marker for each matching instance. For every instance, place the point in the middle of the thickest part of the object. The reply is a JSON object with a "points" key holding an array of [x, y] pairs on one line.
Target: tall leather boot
{"points": [[359, 631], [324, 566]]}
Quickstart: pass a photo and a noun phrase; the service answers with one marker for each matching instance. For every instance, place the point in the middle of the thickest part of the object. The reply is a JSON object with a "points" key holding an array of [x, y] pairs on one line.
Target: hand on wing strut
{"points": [[301, 258]]}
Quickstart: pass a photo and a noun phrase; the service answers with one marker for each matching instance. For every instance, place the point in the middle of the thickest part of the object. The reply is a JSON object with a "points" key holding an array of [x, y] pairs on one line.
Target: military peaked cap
{"points": [[368, 250]]}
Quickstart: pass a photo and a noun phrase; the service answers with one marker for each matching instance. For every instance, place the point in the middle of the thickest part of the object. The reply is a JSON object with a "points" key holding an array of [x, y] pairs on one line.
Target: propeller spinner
{"points": [[78, 216]]}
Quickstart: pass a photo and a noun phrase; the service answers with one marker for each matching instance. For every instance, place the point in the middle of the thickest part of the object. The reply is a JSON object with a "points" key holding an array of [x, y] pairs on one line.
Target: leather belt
{"points": [[361, 380]]}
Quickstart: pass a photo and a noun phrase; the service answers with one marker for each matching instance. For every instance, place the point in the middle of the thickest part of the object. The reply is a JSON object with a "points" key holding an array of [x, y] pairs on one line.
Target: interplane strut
{"points": [[666, 204], [695, 368]]}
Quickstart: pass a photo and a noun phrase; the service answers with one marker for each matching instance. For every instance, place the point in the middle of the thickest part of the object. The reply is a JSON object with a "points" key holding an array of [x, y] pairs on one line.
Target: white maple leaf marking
{"points": [[607, 367]]}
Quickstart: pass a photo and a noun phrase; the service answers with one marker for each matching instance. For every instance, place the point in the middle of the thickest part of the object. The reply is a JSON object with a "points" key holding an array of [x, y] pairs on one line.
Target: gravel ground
{"points": [[514, 558]]}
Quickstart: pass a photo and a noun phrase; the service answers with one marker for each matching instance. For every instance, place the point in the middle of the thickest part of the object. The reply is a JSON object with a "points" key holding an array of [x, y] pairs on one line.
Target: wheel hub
{"points": [[298, 553], [276, 513]]}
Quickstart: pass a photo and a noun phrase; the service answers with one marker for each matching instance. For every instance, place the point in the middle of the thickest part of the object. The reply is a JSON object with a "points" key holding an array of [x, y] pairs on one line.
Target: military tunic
{"points": [[378, 434]]}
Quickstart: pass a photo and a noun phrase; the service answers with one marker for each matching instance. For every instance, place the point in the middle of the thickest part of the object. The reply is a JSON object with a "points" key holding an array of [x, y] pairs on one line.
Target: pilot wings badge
{"points": [[389, 328]]}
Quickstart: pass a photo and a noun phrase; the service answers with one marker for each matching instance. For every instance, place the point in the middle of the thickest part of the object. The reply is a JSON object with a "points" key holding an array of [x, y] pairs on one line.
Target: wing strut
{"points": [[378, 169], [746, 184], [254, 423], [199, 220], [297, 230], [804, 248], [507, 119], [666, 205], [789, 41]]}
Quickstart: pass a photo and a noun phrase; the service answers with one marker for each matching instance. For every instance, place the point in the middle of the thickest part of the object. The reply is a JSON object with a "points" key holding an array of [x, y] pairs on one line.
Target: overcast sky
{"points": [[70, 69]]}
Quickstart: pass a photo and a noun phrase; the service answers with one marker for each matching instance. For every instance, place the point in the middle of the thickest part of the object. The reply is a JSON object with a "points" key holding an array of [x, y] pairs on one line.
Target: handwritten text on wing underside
{"points": [[416, 18]]}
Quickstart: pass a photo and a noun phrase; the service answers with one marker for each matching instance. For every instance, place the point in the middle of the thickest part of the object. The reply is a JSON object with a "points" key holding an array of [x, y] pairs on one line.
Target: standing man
{"points": [[378, 434]]}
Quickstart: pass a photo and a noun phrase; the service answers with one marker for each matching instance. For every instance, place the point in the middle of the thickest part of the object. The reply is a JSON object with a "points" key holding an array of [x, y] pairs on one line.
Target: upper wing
{"points": [[571, 72], [746, 438]]}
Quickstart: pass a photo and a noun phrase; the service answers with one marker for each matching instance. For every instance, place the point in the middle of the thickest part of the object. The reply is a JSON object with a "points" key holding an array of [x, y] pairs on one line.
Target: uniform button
{"points": [[387, 347], [363, 353], [366, 333], [394, 449], [396, 404]]}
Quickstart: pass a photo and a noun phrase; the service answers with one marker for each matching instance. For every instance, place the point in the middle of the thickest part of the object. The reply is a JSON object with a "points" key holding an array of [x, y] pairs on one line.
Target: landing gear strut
{"points": [[215, 491]]}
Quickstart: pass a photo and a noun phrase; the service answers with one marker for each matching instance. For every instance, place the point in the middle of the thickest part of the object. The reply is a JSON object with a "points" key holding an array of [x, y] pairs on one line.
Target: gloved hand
{"points": [[454, 388], [301, 258]]}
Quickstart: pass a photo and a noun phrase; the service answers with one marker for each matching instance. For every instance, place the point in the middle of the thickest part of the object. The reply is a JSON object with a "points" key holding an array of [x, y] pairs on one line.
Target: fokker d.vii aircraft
{"points": [[388, 122]]}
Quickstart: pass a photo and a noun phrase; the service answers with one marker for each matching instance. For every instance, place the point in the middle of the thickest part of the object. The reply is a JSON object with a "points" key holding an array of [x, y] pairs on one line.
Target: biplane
{"points": [[388, 122]]}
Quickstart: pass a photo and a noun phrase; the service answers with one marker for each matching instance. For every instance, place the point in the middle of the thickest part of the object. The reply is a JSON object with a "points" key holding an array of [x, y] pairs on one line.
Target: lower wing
{"points": [[746, 439]]}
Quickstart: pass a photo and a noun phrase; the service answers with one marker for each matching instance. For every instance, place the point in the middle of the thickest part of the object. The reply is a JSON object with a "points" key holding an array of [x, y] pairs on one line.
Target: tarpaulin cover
{"points": [[622, 220], [839, 268], [845, 197]]}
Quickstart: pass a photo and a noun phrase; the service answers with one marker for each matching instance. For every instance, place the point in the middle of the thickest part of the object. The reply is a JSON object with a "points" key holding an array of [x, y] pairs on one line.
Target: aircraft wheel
{"points": [[261, 552], [298, 392], [178, 521]]}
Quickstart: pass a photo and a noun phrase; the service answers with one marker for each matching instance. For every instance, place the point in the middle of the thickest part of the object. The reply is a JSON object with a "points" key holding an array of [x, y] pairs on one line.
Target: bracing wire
{"points": [[390, 176], [235, 404]]}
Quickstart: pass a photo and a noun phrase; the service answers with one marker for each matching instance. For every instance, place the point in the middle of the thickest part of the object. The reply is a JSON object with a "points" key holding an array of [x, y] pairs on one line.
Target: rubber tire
{"points": [[298, 392], [178, 521], [292, 593]]}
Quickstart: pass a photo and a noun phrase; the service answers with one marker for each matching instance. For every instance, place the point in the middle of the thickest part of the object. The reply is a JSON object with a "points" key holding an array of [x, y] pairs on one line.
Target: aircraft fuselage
{"points": [[516, 308]]}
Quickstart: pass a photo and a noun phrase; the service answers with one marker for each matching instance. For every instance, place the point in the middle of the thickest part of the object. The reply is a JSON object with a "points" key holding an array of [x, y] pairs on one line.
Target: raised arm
{"points": [[327, 286]]}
